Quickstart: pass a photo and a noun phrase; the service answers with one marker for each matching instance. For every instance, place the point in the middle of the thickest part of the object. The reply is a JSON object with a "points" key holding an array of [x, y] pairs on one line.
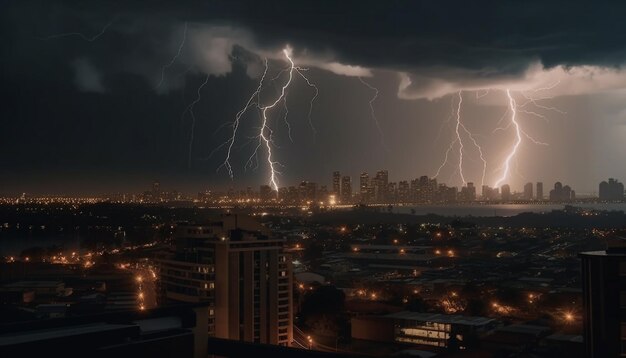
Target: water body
{"points": [[500, 209]]}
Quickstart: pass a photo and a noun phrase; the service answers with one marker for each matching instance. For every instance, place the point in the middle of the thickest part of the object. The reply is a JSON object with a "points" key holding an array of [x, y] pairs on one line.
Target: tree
{"points": [[417, 304], [323, 311], [476, 307]]}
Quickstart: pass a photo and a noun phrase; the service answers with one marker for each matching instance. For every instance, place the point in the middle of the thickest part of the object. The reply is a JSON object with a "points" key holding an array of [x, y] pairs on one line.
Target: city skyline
{"points": [[118, 118]]}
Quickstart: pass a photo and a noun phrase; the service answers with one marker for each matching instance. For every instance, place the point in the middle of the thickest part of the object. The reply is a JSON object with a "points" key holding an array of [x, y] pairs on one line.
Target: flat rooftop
{"points": [[47, 334], [441, 318], [33, 284]]}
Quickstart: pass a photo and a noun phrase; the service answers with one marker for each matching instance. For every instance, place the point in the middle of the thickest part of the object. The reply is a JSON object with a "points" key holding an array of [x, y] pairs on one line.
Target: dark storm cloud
{"points": [[463, 44], [495, 37]]}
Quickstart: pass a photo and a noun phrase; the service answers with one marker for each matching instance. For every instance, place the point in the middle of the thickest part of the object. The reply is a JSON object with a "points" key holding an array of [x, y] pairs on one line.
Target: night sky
{"points": [[83, 111]]}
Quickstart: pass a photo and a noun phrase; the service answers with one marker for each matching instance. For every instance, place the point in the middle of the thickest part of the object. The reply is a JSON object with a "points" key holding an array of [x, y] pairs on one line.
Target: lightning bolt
{"points": [[460, 130], [445, 160], [79, 34], [317, 92], [266, 138], [481, 95], [458, 138], [265, 134], [480, 151], [193, 117], [371, 103], [180, 49], [458, 135], [286, 121], [235, 124], [518, 140]]}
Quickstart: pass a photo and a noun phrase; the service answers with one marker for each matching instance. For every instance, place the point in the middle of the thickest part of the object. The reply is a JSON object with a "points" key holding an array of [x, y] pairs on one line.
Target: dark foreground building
{"points": [[164, 332], [604, 299], [175, 331]]}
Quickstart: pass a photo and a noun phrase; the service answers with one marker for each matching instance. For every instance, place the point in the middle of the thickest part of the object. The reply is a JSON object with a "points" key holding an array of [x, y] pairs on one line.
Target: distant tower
{"points": [[556, 194], [381, 185], [336, 183], [364, 183], [404, 192], [539, 191], [603, 191], [505, 192], [611, 191], [528, 191], [266, 193], [566, 193], [346, 190]]}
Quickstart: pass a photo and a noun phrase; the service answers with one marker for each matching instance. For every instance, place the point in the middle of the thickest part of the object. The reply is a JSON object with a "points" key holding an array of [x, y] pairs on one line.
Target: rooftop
{"points": [[441, 318]]}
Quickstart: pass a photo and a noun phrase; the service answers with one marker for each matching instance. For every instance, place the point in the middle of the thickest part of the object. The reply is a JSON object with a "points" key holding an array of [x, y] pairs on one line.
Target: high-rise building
{"points": [[446, 194], [381, 186], [539, 191], [562, 193], [392, 192], [307, 191], [364, 183], [236, 266], [604, 290], [323, 193], [404, 192], [528, 191], [505, 192], [266, 193], [336, 184], [566, 193], [468, 192], [612, 190], [346, 190]]}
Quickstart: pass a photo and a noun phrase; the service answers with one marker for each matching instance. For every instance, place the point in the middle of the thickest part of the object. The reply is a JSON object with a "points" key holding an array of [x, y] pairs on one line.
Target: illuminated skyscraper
{"points": [[236, 266]]}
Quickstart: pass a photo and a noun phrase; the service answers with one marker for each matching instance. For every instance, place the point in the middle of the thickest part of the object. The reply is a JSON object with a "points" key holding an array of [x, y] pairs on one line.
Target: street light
{"points": [[310, 341]]}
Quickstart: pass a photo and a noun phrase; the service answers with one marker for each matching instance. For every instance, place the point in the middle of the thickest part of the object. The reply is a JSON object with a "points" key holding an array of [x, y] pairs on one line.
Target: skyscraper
{"points": [[468, 192], [346, 190], [237, 267], [539, 191], [562, 193], [381, 186], [266, 193], [505, 192], [528, 191], [336, 184], [404, 193], [612, 190], [364, 183]]}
